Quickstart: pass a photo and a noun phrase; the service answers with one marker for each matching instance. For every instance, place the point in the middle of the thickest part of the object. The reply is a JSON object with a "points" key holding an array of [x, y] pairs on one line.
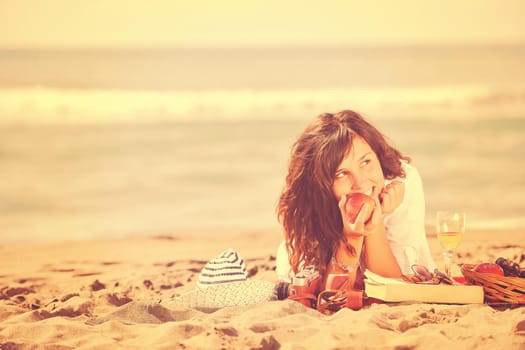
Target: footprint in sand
{"points": [[97, 286], [148, 312], [86, 274], [264, 342], [79, 273], [118, 299], [29, 279], [403, 320], [62, 270], [520, 328], [72, 307], [9, 292]]}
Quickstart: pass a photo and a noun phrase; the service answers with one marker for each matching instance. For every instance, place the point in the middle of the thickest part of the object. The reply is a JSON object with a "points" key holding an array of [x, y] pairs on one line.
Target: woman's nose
{"points": [[359, 182]]}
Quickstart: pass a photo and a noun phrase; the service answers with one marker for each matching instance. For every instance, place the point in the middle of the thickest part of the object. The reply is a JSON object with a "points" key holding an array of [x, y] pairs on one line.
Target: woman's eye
{"points": [[365, 162], [339, 175]]}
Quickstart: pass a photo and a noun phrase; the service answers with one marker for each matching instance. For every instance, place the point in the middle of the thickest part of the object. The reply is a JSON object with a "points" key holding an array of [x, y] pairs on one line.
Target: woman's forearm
{"points": [[378, 255]]}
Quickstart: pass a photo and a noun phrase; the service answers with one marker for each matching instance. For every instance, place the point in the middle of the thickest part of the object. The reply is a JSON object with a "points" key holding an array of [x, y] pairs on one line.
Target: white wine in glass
{"points": [[450, 227]]}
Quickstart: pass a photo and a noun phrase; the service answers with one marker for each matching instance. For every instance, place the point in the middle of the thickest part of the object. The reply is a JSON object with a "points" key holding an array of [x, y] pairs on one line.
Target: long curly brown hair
{"points": [[307, 208]]}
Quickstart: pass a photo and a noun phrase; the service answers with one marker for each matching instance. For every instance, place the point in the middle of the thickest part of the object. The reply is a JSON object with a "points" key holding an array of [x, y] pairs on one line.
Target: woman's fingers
{"points": [[392, 196], [348, 225], [359, 226], [364, 223], [386, 203]]}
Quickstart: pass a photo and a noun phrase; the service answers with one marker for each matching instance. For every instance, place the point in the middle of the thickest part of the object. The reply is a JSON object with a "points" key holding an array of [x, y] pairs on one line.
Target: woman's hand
{"points": [[359, 227], [392, 196]]}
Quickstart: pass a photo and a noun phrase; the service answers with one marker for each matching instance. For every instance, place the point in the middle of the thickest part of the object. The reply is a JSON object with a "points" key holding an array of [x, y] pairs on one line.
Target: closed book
{"points": [[397, 290]]}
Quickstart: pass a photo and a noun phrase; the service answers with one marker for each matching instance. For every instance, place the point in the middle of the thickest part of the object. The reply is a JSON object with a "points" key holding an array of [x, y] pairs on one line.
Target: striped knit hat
{"points": [[225, 268]]}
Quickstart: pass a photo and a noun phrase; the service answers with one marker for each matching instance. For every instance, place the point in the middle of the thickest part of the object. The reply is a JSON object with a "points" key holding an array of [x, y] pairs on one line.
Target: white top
{"points": [[405, 228]]}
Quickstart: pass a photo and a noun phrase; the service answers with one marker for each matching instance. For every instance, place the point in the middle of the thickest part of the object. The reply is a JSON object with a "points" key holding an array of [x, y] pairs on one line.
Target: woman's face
{"points": [[360, 171]]}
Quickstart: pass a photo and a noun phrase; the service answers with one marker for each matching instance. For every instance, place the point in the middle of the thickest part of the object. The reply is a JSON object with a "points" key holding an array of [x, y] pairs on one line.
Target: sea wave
{"points": [[52, 105]]}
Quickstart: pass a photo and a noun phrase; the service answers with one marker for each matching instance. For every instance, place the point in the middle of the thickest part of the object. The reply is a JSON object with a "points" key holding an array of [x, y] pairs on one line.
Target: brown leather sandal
{"points": [[339, 295]]}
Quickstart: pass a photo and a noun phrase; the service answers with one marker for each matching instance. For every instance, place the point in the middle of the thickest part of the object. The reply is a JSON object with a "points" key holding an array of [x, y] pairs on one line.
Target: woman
{"points": [[339, 154]]}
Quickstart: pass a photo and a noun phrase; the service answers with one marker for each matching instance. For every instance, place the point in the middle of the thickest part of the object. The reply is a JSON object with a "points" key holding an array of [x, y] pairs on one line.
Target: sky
{"points": [[240, 23]]}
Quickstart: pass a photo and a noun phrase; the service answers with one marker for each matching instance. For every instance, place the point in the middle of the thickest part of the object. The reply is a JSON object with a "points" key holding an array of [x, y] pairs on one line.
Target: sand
{"points": [[112, 294]]}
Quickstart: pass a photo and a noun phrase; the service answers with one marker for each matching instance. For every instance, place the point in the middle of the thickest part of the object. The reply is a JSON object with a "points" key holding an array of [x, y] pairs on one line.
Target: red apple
{"points": [[354, 203], [489, 268]]}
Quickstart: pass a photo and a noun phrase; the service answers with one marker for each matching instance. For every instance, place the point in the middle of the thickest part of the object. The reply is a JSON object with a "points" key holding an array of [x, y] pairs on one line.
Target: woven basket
{"points": [[496, 288]]}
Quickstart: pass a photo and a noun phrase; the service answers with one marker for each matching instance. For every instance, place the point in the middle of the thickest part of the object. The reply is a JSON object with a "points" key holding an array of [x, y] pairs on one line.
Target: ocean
{"points": [[115, 143]]}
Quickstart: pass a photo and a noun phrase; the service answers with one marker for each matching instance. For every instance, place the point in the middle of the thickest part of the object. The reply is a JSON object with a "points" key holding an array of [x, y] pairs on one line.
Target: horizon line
{"points": [[261, 46]]}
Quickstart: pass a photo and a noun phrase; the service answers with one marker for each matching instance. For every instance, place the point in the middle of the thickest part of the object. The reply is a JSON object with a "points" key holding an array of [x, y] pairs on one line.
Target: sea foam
{"points": [[78, 106]]}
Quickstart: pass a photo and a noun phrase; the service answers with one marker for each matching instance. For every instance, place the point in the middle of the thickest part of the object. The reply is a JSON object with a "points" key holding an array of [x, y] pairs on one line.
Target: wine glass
{"points": [[450, 228]]}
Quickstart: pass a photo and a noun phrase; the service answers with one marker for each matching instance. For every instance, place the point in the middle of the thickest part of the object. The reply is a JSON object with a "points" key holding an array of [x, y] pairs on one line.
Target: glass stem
{"points": [[447, 256]]}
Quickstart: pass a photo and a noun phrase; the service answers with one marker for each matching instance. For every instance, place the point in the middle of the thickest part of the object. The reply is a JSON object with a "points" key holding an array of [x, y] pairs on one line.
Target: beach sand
{"points": [[76, 295]]}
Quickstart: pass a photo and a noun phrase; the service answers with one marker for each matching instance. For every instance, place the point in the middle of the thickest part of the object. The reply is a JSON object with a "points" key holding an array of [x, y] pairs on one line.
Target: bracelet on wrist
{"points": [[346, 268]]}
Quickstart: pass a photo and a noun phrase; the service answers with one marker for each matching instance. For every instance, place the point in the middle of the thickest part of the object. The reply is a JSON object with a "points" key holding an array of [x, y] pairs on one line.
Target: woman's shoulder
{"points": [[411, 173], [409, 168], [413, 184]]}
